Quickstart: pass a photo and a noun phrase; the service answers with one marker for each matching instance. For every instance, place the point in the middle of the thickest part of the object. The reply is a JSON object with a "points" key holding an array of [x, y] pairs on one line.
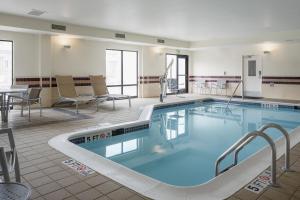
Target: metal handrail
{"points": [[228, 102], [244, 141], [287, 141], [262, 129]]}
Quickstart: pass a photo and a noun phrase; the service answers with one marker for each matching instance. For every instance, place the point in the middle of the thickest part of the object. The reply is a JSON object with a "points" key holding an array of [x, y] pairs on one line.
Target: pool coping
{"points": [[220, 187]]}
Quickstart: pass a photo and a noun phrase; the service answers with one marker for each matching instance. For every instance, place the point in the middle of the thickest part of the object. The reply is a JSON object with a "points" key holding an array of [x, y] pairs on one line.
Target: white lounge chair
{"points": [[101, 92], [67, 91]]}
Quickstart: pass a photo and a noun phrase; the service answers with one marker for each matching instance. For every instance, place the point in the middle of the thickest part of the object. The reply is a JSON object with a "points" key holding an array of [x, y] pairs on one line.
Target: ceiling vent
{"points": [[160, 41], [58, 27], [120, 35], [35, 12]]}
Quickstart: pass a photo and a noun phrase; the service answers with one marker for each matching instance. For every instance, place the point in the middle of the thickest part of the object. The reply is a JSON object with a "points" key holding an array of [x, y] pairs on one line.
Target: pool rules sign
{"points": [[260, 183]]}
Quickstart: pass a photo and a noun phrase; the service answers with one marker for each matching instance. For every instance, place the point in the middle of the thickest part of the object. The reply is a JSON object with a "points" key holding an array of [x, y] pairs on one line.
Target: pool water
{"points": [[183, 142]]}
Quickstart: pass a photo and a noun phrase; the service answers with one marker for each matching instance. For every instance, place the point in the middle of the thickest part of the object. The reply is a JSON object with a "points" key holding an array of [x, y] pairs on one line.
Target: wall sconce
{"points": [[268, 47], [67, 46], [158, 50]]}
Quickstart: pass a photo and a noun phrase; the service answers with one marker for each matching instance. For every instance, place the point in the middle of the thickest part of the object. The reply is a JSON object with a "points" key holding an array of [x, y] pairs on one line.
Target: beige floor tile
{"points": [[68, 181], [90, 194], [59, 175], [40, 181], [246, 195], [57, 195], [52, 170], [297, 194], [78, 187], [275, 195], [34, 175], [108, 187], [103, 198], [232, 198], [97, 180], [136, 197], [50, 187], [120, 194]]}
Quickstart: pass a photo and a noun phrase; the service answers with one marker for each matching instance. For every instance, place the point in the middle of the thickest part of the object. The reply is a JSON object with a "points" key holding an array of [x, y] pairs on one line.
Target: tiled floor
{"points": [[42, 168]]}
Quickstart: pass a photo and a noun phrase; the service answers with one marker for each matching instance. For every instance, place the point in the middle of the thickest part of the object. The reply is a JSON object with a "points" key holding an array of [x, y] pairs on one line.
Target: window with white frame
{"points": [[6, 63]]}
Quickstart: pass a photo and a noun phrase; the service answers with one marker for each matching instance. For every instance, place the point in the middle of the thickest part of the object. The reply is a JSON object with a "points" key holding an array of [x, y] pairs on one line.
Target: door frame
{"points": [[186, 69], [244, 57]]}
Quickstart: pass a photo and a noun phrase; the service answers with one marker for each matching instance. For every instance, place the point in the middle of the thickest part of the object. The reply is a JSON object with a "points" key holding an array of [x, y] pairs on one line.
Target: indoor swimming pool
{"points": [[183, 142], [170, 151]]}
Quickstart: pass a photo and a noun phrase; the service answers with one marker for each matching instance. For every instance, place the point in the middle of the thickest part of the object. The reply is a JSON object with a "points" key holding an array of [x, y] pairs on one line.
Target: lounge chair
{"points": [[67, 91], [28, 99], [101, 92]]}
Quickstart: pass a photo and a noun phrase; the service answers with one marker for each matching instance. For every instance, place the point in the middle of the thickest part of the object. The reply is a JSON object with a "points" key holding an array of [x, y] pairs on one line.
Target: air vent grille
{"points": [[35, 12], [161, 41], [120, 35], [58, 27]]}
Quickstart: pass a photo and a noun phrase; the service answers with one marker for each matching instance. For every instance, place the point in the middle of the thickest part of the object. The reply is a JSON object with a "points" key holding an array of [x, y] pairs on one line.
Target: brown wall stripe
{"points": [[85, 81]]}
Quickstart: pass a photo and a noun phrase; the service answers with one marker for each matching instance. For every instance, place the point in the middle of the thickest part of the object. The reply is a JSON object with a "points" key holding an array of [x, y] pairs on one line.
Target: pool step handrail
{"points": [[229, 100], [287, 142], [262, 129], [243, 141], [240, 144]]}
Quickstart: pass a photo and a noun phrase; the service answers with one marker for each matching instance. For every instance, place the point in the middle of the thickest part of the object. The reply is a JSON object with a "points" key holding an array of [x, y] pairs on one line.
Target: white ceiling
{"points": [[188, 20]]}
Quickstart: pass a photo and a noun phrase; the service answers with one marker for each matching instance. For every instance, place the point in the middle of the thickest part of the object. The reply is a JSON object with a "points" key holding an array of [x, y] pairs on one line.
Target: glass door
{"points": [[122, 72], [178, 71]]}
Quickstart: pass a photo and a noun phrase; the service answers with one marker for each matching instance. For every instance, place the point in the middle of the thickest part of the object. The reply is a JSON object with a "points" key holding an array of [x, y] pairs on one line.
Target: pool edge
{"points": [[220, 187]]}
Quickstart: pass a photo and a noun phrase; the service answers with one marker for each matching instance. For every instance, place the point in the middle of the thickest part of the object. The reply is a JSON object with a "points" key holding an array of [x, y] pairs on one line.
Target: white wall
{"points": [[284, 60], [25, 53], [43, 55]]}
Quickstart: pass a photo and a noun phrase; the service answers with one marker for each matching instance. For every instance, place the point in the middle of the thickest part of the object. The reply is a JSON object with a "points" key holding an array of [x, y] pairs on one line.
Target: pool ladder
{"points": [[240, 144], [229, 100]]}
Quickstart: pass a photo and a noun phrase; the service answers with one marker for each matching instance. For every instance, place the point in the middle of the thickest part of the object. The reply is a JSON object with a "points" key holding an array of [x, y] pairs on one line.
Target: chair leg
{"points": [[97, 104], [77, 112], [29, 109], [114, 106], [129, 99], [3, 163], [40, 102], [17, 170], [22, 109]]}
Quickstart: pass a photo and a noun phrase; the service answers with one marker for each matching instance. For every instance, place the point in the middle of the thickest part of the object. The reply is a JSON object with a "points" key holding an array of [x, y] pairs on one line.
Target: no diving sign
{"points": [[260, 183]]}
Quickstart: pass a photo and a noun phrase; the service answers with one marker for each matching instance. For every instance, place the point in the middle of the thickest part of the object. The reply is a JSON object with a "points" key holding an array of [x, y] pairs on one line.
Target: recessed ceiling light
{"points": [[35, 12]]}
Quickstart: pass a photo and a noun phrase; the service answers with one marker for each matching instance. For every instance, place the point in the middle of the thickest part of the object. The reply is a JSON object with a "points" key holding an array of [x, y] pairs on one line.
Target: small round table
{"points": [[14, 191]]}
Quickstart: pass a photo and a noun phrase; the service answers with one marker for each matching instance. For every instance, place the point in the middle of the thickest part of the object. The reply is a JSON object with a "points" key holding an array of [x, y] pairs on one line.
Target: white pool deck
{"points": [[42, 168]]}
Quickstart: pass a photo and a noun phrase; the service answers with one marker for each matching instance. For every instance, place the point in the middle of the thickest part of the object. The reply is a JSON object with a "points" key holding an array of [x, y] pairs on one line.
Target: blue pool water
{"points": [[183, 142]]}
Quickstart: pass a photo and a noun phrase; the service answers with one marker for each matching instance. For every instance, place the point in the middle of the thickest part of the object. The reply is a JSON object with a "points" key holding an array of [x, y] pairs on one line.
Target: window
{"points": [[6, 63], [252, 68], [122, 72]]}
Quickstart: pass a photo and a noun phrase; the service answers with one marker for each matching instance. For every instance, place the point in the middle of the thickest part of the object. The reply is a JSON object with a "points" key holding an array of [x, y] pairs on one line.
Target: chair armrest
{"points": [[16, 97]]}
